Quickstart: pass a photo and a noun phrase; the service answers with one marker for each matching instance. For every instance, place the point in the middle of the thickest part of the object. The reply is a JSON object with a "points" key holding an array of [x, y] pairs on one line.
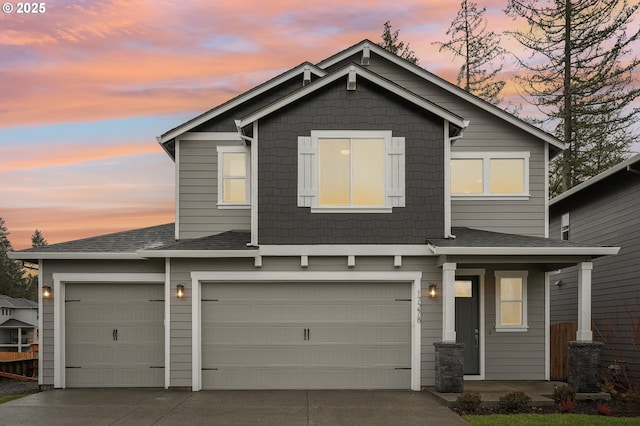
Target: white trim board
{"points": [[59, 282], [197, 277]]}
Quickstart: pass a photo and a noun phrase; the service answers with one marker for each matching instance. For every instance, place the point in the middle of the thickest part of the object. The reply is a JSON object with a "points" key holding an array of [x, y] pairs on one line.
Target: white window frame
{"points": [[565, 227], [486, 158], [511, 274], [308, 170], [222, 149]]}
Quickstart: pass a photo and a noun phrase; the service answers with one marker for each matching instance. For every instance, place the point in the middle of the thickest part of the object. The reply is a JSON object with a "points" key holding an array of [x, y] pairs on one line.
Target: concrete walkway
{"points": [[166, 407]]}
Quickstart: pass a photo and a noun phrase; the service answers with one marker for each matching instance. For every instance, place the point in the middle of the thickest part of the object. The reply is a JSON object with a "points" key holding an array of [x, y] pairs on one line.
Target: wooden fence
{"points": [[560, 334]]}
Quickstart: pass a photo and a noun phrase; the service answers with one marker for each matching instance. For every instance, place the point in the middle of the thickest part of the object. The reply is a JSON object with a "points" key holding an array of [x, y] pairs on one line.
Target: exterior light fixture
{"points": [[433, 291], [46, 292], [180, 291]]}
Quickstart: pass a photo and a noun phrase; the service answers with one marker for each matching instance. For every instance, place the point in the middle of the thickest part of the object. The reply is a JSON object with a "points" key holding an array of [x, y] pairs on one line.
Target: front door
{"points": [[467, 321]]}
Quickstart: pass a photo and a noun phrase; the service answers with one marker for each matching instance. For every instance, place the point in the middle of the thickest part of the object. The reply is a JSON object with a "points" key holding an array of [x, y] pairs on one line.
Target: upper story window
{"points": [[564, 227], [7, 311], [511, 300], [233, 176], [351, 171], [489, 174]]}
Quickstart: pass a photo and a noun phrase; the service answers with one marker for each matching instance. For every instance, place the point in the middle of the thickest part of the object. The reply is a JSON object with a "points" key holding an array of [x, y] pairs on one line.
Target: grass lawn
{"points": [[550, 419], [8, 398]]}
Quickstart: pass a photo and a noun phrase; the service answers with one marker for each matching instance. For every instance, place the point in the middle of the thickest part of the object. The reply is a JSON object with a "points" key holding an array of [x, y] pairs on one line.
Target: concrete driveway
{"points": [[166, 407]]}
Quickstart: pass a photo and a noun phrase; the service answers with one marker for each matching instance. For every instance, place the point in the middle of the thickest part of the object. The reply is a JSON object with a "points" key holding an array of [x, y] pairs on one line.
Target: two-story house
{"points": [[18, 323], [604, 210], [357, 223]]}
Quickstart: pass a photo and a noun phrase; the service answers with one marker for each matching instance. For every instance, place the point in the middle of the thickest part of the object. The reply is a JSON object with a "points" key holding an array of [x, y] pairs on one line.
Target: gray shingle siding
{"points": [[335, 108], [608, 212]]}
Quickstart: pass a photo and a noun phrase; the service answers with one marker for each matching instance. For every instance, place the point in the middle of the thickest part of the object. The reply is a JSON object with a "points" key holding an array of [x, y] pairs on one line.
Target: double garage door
{"points": [[114, 335], [306, 335]]}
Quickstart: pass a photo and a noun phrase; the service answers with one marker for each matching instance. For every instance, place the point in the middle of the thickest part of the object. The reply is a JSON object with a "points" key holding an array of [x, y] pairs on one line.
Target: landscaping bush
{"points": [[469, 402], [563, 393], [604, 408], [514, 402]]}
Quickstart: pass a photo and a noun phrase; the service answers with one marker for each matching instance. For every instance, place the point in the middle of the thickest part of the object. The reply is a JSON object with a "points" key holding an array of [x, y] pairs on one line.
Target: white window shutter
{"points": [[307, 172], [395, 172]]}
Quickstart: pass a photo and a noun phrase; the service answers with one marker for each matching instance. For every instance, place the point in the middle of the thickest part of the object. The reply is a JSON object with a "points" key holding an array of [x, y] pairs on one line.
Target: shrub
{"points": [[469, 402], [567, 405], [563, 393], [514, 402], [604, 408]]}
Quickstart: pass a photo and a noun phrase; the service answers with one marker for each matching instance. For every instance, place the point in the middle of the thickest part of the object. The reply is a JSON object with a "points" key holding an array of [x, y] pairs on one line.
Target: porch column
{"points": [[19, 339], [448, 303], [584, 333]]}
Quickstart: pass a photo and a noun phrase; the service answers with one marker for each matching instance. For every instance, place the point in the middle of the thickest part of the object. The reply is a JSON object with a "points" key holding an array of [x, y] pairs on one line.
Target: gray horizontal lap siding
{"points": [[280, 221], [607, 213], [198, 212], [486, 132]]}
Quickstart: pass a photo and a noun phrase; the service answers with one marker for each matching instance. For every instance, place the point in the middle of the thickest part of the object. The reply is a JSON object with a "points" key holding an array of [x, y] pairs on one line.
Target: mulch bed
{"points": [[620, 408], [16, 387]]}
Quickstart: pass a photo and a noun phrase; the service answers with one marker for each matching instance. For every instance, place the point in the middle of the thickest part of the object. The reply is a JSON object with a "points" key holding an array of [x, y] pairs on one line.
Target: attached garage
{"points": [[114, 335], [306, 335]]}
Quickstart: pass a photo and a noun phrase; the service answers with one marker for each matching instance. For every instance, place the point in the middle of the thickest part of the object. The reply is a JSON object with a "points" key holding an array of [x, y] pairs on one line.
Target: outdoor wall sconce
{"points": [[433, 291], [46, 292], [180, 291]]}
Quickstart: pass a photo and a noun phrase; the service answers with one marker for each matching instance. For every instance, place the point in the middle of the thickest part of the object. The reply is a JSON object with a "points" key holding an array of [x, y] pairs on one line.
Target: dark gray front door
{"points": [[467, 321]]}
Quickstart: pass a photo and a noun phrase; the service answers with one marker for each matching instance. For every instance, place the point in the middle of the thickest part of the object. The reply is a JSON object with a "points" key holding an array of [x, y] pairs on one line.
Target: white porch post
{"points": [[448, 303], [19, 339], [584, 333]]}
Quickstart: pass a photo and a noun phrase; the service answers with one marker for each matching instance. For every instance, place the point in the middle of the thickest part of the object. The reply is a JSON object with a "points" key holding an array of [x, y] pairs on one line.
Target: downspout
{"points": [[241, 135], [254, 203]]}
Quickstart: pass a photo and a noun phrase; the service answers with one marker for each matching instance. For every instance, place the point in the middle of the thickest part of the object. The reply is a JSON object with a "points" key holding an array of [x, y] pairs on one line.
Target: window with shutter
{"points": [[351, 171]]}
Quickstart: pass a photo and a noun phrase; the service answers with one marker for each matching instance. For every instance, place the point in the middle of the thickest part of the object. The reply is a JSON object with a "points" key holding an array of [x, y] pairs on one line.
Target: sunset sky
{"points": [[86, 87]]}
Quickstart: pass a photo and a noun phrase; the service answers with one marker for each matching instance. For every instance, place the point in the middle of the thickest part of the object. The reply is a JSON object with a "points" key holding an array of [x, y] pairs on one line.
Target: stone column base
{"points": [[583, 372], [449, 367]]}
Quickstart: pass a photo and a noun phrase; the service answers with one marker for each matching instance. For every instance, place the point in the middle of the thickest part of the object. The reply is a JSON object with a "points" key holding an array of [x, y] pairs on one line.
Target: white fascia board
{"points": [[74, 255], [196, 253], [210, 136], [449, 87], [238, 101], [526, 251], [373, 78], [345, 250], [595, 179]]}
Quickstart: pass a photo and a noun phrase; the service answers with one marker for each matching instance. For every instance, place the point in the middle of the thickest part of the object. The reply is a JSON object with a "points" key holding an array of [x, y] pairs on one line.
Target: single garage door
{"points": [[114, 335], [306, 335]]}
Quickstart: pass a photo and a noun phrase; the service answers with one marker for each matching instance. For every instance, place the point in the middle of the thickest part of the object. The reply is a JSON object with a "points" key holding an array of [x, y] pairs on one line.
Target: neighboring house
{"points": [[342, 225], [604, 210], [18, 323]]}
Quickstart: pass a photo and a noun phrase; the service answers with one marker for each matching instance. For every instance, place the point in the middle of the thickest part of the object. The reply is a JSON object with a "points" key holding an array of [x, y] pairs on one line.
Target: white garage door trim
{"points": [[197, 277], [59, 281]]}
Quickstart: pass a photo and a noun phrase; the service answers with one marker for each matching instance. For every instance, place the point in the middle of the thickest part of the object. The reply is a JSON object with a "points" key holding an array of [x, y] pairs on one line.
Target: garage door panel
{"points": [[222, 357], [259, 334], [306, 335], [114, 335]]}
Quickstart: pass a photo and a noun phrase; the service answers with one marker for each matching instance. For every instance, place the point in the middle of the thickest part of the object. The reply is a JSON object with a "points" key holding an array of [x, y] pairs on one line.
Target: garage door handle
{"points": [[115, 334]]}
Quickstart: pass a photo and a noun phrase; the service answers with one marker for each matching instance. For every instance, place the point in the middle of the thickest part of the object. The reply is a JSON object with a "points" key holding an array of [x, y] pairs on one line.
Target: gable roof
{"points": [[238, 100], [398, 90], [443, 84], [14, 323], [623, 166]]}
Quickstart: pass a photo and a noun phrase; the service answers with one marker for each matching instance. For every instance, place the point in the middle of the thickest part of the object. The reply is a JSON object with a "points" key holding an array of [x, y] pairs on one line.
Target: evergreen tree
{"points": [[580, 76], [391, 43], [37, 240], [479, 49], [12, 282]]}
